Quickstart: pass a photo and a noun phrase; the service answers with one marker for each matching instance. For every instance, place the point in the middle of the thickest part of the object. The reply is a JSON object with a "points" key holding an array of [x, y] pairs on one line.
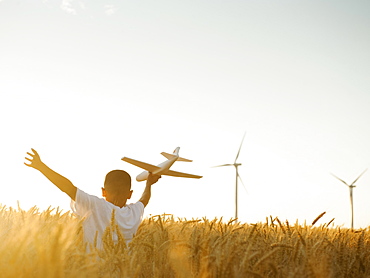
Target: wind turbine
{"points": [[237, 176], [351, 186]]}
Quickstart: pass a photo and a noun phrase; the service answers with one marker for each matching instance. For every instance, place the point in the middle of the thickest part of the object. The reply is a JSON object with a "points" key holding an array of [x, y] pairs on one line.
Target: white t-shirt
{"points": [[98, 213]]}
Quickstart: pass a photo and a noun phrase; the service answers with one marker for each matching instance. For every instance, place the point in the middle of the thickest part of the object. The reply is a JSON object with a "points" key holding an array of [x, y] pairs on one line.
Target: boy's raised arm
{"points": [[61, 182], [152, 179]]}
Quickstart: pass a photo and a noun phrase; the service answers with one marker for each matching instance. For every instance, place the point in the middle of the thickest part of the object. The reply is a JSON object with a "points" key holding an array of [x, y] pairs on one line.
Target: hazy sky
{"points": [[88, 82]]}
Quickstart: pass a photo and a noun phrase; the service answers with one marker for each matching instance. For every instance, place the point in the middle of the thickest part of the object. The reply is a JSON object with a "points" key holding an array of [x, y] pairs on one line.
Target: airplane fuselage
{"points": [[164, 166]]}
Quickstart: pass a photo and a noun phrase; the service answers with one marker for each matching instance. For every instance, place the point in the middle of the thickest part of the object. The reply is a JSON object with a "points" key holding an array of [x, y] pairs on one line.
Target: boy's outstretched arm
{"points": [[152, 179], [61, 182]]}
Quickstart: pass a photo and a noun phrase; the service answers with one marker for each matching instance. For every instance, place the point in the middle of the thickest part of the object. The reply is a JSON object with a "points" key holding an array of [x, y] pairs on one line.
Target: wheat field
{"points": [[49, 244]]}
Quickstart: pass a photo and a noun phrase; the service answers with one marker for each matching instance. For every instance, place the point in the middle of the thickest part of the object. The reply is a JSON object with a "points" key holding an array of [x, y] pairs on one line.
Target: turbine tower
{"points": [[237, 176], [351, 186]]}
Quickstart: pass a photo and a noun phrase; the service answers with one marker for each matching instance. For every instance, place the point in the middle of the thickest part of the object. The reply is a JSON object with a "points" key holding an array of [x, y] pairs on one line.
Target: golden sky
{"points": [[88, 82]]}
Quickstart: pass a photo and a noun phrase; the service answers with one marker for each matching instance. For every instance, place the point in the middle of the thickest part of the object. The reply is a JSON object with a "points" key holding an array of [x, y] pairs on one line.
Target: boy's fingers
{"points": [[153, 178], [156, 178], [28, 159], [30, 154]]}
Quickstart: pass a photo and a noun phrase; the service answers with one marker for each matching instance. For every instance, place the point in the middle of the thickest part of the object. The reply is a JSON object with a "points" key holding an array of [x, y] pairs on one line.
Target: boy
{"points": [[97, 211]]}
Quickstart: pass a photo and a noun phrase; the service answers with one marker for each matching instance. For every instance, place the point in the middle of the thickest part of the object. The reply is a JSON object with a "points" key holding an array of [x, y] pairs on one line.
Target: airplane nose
{"points": [[143, 176]]}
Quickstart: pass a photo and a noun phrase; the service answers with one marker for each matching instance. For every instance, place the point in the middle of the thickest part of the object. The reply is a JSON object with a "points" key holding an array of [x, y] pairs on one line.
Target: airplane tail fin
{"points": [[175, 154]]}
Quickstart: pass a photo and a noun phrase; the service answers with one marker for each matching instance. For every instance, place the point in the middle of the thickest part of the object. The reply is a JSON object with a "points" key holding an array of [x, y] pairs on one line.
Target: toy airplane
{"points": [[163, 168]]}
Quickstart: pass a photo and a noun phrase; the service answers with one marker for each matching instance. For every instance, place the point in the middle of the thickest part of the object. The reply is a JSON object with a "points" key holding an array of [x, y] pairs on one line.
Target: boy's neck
{"points": [[119, 203]]}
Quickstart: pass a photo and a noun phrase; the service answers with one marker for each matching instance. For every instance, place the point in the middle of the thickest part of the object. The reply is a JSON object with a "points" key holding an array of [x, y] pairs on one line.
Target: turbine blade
{"points": [[239, 148], [339, 179], [358, 177], [240, 178], [223, 165]]}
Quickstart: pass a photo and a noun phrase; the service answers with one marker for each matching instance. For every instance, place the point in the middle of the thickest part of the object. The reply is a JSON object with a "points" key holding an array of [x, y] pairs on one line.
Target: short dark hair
{"points": [[117, 181]]}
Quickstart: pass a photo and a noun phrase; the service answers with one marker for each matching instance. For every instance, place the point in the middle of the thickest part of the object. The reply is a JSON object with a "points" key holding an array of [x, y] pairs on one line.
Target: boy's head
{"points": [[117, 185]]}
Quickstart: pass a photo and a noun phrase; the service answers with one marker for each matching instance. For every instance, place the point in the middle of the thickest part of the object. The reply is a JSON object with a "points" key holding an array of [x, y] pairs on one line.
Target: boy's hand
{"points": [[35, 161], [152, 179]]}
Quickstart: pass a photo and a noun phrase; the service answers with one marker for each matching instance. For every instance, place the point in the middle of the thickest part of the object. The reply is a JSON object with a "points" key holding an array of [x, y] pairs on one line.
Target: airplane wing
{"points": [[179, 174], [145, 166]]}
